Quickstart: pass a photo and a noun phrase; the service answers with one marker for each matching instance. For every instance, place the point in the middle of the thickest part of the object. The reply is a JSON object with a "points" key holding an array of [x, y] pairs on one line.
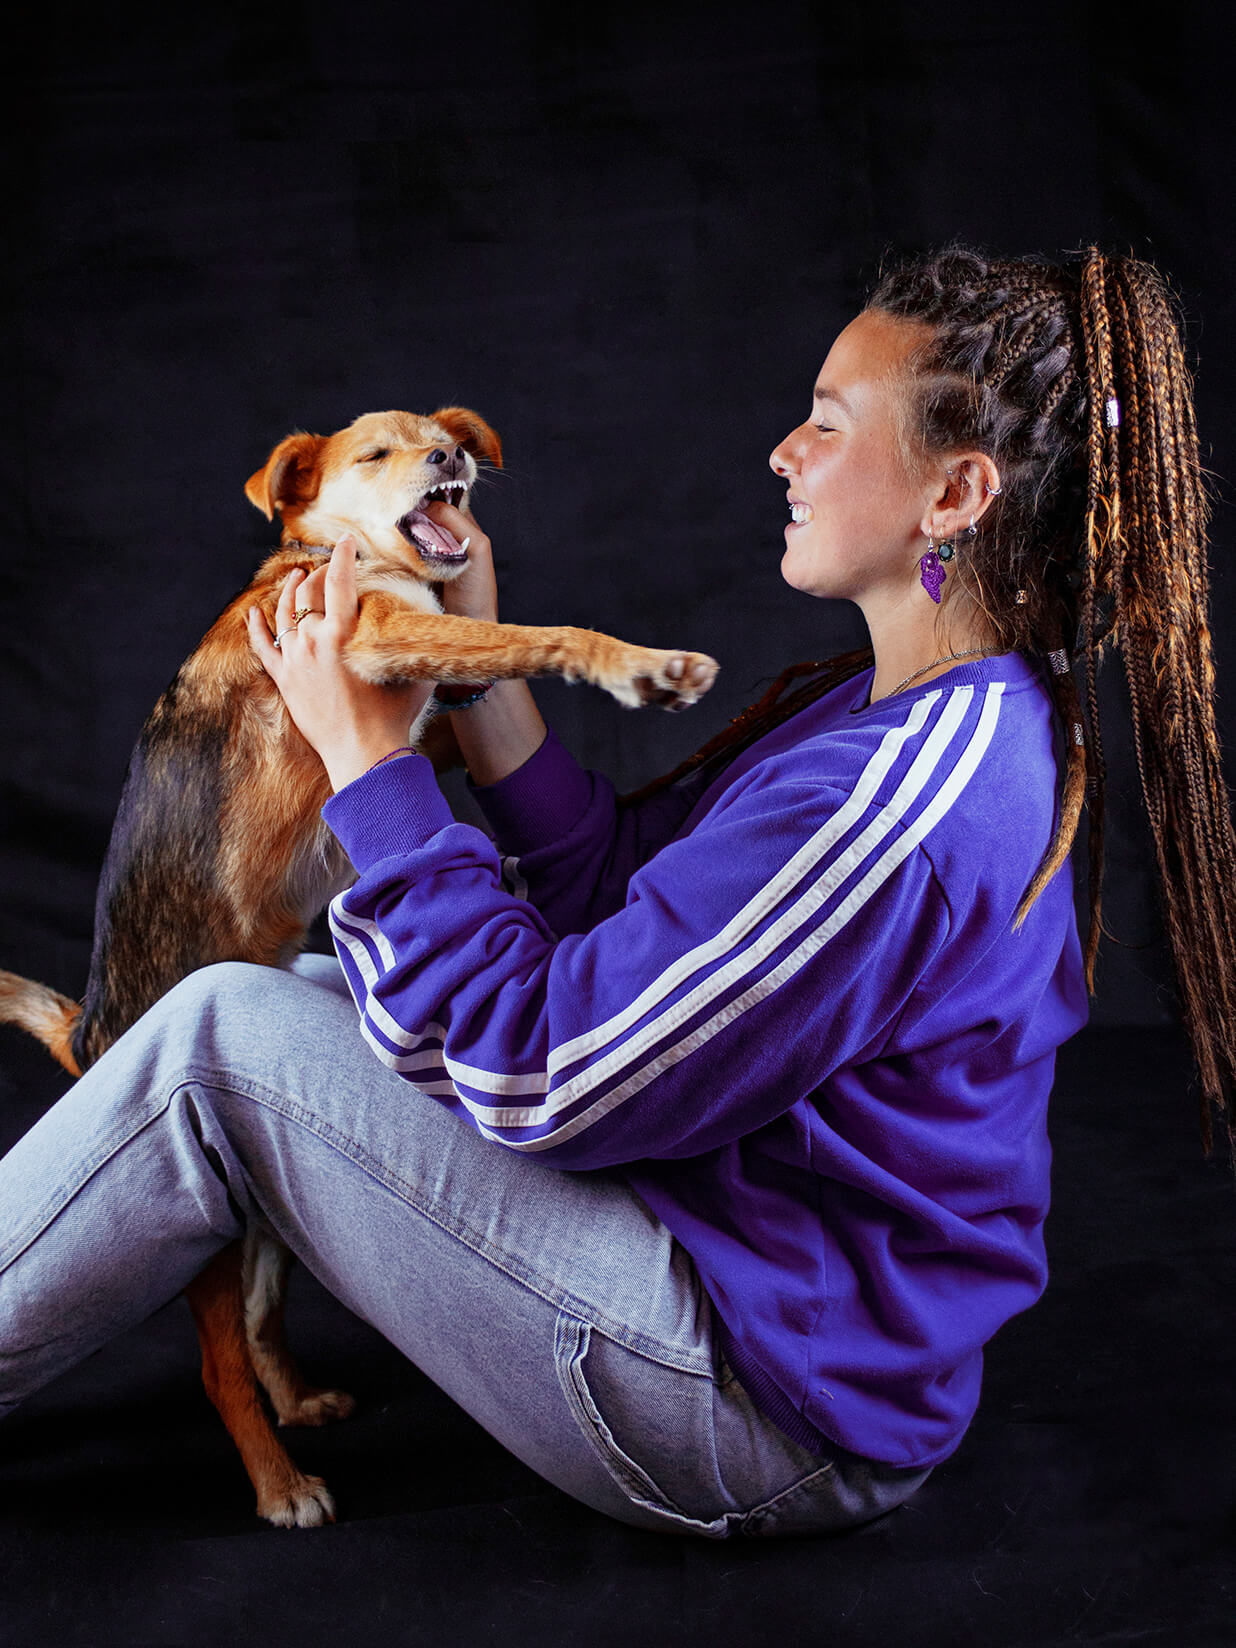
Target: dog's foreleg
{"points": [[266, 1266], [285, 1496], [392, 642]]}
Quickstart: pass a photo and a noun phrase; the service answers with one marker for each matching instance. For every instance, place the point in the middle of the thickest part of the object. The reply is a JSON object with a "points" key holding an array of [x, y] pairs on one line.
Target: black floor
{"points": [[1092, 1502]]}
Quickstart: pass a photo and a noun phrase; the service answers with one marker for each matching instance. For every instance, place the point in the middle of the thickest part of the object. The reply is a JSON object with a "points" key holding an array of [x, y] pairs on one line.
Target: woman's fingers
{"points": [[460, 523], [300, 594], [262, 641], [311, 594], [474, 592], [285, 611], [339, 586]]}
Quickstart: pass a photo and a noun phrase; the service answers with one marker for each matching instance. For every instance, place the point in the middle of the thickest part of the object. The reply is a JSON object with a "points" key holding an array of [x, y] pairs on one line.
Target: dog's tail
{"points": [[44, 1013]]}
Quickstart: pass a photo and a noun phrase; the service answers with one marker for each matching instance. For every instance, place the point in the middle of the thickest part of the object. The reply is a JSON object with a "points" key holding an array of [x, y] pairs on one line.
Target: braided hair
{"points": [[1073, 380]]}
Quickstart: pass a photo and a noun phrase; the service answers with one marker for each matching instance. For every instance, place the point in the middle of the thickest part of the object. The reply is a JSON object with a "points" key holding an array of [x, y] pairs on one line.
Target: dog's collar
{"points": [[306, 549]]}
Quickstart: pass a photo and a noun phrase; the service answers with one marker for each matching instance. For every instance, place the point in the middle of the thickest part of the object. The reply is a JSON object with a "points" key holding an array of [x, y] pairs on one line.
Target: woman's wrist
{"points": [[460, 695], [499, 732], [345, 766]]}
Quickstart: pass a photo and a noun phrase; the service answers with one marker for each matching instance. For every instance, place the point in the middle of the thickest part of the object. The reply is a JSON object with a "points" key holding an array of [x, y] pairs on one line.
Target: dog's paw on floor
{"points": [[305, 1503]]}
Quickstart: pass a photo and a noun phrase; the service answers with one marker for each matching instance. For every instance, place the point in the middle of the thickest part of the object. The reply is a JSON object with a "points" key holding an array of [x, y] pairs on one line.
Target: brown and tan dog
{"points": [[219, 853]]}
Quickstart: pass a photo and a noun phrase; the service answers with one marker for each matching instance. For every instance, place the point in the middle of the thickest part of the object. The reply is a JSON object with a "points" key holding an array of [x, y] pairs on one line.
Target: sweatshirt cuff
{"points": [[393, 808], [538, 803]]}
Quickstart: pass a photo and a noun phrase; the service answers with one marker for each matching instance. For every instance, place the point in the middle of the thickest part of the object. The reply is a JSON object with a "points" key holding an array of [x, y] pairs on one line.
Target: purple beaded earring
{"points": [[930, 569]]}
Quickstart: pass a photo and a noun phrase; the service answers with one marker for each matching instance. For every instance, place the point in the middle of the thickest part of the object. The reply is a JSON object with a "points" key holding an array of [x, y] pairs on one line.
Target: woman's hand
{"points": [[350, 723], [474, 594], [499, 734]]}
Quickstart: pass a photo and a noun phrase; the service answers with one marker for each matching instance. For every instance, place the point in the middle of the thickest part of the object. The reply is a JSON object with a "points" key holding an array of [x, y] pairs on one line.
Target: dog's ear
{"points": [[471, 432], [289, 475]]}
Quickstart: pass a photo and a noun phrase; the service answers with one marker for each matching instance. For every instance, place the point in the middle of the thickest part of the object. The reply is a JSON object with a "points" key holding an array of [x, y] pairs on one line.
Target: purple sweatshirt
{"points": [[787, 1004]]}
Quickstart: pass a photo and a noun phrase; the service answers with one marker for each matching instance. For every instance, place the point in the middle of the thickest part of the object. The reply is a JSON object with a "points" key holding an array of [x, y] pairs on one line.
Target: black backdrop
{"points": [[626, 236]]}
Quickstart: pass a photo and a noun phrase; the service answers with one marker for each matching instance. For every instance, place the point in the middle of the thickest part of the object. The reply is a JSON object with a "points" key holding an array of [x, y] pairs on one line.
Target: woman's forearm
{"points": [[498, 734]]}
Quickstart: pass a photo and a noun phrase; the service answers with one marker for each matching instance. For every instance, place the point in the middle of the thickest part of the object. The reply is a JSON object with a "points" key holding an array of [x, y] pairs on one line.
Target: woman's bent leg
{"points": [[553, 1307]]}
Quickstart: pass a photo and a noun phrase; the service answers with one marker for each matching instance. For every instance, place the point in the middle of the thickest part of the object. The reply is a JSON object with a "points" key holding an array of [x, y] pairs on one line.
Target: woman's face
{"points": [[857, 512]]}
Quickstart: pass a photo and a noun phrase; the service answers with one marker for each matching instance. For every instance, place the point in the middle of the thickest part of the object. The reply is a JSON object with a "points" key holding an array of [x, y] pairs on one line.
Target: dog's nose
{"points": [[454, 461]]}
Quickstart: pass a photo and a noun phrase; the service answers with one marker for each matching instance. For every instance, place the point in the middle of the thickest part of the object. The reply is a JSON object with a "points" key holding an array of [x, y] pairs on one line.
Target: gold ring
{"points": [[302, 612]]}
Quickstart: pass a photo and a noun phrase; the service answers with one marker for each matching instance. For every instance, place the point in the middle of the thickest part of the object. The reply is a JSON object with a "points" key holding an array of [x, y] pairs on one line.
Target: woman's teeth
{"points": [[800, 513]]}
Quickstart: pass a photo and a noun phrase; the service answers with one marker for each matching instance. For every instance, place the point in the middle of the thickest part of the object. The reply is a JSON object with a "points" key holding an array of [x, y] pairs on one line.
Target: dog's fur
{"points": [[219, 853]]}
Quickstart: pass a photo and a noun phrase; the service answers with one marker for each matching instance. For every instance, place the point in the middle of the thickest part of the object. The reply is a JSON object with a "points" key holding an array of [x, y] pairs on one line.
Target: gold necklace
{"points": [[978, 652]]}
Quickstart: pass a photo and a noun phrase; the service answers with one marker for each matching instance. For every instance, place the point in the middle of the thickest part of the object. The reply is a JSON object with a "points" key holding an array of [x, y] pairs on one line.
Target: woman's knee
{"points": [[225, 1005], [223, 991], [250, 1024]]}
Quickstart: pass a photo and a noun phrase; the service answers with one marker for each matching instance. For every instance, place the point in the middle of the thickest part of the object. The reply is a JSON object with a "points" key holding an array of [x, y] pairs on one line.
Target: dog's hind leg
{"points": [[266, 1266], [285, 1496]]}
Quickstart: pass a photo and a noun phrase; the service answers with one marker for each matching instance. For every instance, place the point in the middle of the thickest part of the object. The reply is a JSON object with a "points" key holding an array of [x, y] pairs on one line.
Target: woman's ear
{"points": [[964, 494]]}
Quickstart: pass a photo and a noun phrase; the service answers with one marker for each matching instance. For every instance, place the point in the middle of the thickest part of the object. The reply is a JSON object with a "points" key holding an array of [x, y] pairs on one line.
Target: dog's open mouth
{"points": [[429, 540]]}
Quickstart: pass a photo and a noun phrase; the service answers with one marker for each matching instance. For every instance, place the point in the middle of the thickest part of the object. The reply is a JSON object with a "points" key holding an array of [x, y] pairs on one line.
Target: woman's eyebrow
{"points": [[823, 393]]}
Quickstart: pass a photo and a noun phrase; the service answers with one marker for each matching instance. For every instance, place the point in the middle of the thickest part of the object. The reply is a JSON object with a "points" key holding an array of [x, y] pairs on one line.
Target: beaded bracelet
{"points": [[460, 695]]}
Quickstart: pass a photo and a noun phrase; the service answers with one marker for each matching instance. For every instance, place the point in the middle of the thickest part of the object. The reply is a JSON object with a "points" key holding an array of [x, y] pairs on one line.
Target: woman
{"points": [[788, 1021]]}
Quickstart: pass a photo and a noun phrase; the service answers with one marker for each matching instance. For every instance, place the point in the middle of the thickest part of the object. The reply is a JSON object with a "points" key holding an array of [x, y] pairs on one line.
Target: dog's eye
{"points": [[375, 457]]}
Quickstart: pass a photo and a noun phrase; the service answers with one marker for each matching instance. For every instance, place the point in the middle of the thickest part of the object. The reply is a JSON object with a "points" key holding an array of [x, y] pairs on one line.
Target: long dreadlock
{"points": [[1072, 378]]}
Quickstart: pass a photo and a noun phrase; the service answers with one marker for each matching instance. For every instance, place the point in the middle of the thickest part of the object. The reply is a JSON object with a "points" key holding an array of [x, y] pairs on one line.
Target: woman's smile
{"points": [[854, 507]]}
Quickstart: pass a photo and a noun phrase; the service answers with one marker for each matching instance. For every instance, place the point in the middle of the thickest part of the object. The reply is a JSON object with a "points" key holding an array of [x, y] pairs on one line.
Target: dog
{"points": [[219, 852]]}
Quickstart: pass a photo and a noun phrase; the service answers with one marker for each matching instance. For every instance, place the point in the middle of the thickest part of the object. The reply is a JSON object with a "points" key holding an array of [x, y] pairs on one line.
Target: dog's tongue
{"points": [[430, 536]]}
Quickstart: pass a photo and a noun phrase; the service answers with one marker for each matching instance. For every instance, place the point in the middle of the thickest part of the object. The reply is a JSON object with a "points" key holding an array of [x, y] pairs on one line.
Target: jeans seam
{"points": [[525, 1275], [761, 1513], [121, 1135], [571, 1341]]}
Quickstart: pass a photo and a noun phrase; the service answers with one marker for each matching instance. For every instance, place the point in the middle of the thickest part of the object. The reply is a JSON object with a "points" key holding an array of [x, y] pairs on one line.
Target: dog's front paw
{"points": [[304, 1503], [676, 679], [317, 1407]]}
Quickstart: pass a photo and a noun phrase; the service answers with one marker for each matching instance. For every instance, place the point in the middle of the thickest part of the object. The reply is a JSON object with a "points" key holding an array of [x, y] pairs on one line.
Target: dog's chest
{"points": [[410, 591]]}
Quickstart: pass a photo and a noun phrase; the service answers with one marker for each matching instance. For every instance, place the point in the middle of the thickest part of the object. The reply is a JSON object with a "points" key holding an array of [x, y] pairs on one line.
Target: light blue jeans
{"points": [[551, 1306]]}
